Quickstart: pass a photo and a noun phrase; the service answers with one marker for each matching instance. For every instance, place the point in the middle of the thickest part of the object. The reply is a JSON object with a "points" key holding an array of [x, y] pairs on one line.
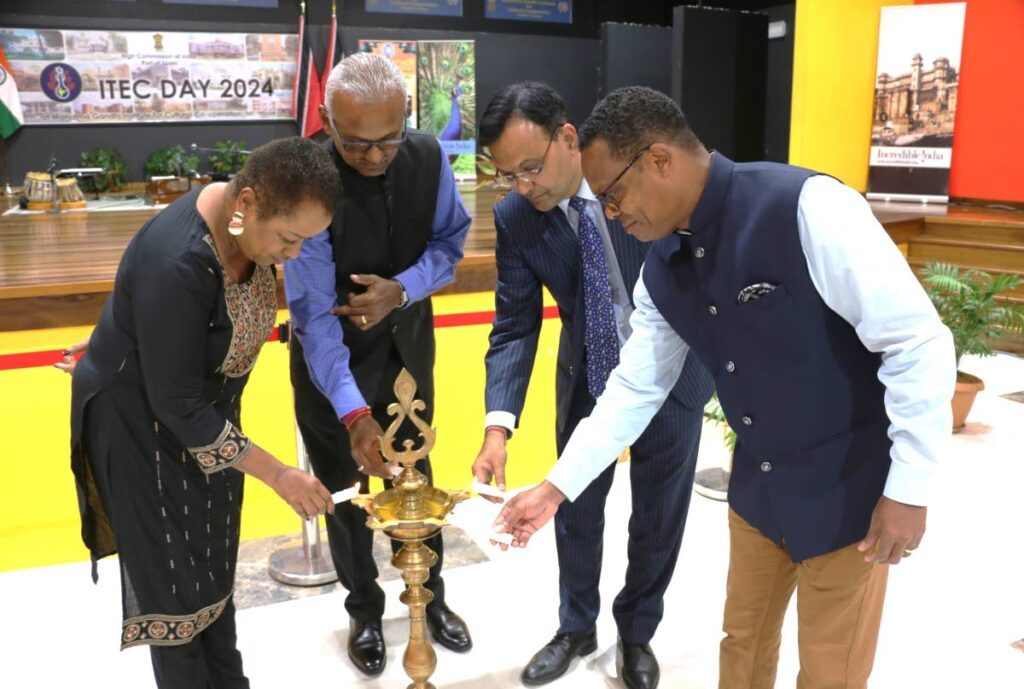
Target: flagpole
{"points": [[8, 189], [298, 65], [331, 44]]}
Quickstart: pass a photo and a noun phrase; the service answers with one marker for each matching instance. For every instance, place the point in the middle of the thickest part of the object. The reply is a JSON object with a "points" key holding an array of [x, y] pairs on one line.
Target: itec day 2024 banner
{"points": [[71, 77]]}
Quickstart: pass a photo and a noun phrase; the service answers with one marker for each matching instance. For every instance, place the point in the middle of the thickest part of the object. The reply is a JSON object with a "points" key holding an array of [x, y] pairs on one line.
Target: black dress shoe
{"points": [[637, 666], [552, 661], [366, 647], [448, 629]]}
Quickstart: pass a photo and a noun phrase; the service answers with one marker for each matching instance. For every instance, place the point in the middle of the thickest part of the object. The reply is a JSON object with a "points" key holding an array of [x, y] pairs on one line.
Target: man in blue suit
{"points": [[551, 232]]}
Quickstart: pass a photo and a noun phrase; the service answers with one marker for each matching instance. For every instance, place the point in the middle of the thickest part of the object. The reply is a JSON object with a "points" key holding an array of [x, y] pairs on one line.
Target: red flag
{"points": [[318, 45], [314, 99]]}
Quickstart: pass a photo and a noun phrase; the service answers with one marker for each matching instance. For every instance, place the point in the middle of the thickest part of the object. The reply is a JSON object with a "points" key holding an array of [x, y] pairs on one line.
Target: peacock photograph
{"points": [[446, 85]]}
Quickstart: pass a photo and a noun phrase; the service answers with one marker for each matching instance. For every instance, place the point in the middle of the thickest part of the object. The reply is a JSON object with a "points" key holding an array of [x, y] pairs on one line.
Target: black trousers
{"points": [[661, 473], [210, 661], [329, 449]]}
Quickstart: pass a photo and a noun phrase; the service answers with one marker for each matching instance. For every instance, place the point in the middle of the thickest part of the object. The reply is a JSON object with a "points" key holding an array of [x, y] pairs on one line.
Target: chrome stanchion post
{"points": [[8, 189], [303, 565]]}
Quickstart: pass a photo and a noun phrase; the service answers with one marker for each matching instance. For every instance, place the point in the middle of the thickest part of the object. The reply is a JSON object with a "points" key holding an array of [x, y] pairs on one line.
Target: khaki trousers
{"points": [[839, 608]]}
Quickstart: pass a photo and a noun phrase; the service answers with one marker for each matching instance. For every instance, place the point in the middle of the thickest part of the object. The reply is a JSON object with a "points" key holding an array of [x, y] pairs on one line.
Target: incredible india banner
{"points": [[916, 88]]}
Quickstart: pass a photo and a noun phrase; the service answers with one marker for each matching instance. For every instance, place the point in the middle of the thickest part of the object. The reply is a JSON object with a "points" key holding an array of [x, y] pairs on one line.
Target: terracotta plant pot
{"points": [[967, 388]]}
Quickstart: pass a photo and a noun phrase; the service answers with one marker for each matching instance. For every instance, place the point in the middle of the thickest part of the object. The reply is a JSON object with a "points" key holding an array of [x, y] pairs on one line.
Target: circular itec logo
{"points": [[61, 82]]}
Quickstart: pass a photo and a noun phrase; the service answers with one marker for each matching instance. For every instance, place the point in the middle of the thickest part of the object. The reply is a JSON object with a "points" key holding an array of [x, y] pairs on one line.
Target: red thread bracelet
{"points": [[353, 416], [504, 431]]}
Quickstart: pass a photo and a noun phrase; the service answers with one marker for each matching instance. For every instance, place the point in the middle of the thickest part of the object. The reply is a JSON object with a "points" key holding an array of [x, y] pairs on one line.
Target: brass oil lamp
{"points": [[411, 512]]}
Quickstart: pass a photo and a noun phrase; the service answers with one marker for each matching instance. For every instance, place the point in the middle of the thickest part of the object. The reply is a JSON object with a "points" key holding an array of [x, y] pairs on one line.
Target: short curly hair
{"points": [[630, 118], [287, 172]]}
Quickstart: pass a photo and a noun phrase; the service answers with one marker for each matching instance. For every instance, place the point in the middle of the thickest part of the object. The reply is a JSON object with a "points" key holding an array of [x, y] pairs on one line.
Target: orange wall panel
{"points": [[988, 145]]}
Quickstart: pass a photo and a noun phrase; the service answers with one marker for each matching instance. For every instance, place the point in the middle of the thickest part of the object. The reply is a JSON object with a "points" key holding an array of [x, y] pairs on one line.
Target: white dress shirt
{"points": [[620, 296], [862, 276]]}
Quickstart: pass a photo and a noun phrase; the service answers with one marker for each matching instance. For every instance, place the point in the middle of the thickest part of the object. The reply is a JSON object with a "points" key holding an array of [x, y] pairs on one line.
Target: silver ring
{"points": [[364, 319]]}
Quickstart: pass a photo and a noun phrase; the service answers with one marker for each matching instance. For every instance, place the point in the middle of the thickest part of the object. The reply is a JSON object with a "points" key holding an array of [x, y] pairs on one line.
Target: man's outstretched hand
{"points": [[527, 512]]}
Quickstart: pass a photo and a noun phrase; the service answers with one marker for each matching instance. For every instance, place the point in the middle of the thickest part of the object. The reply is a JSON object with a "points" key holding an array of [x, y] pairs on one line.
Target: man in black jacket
{"points": [[359, 296]]}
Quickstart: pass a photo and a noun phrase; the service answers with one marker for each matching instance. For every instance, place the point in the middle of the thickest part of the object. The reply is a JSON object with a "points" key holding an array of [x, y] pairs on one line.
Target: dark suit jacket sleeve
{"points": [[518, 306]]}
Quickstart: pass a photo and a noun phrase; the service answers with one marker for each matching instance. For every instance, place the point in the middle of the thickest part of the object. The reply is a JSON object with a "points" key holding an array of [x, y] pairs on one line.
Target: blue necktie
{"points": [[601, 336]]}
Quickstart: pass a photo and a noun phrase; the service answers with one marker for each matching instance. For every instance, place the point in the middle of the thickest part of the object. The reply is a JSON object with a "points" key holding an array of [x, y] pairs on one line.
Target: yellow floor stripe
{"points": [[38, 509]]}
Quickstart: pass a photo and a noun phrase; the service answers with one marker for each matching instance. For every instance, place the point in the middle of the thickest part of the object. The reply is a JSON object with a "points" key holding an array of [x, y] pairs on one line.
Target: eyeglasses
{"points": [[605, 197], [507, 179], [356, 146]]}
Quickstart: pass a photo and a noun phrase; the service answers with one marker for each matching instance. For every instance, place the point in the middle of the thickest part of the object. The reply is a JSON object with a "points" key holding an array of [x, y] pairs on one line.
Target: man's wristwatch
{"points": [[405, 295]]}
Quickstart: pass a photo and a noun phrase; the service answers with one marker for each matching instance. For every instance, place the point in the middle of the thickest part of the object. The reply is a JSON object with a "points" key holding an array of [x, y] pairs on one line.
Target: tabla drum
{"points": [[39, 190], [69, 193]]}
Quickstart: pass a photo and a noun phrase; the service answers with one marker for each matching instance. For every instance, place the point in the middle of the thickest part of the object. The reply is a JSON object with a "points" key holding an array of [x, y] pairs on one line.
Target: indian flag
{"points": [[10, 105]]}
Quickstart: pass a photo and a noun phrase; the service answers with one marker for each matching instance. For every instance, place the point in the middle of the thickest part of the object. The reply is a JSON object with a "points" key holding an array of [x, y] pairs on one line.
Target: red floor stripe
{"points": [[28, 359], [18, 360]]}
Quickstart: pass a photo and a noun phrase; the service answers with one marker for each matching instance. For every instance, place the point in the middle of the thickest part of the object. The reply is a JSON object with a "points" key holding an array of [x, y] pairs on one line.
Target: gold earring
{"points": [[235, 227]]}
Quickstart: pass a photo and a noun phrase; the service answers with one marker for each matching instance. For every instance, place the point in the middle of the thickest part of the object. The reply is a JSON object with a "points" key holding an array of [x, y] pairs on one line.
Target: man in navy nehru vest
{"points": [[551, 233], [359, 296], [830, 362]]}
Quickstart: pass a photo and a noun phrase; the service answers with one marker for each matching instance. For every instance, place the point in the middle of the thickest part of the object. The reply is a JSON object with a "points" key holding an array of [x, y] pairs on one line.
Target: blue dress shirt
{"points": [[311, 291]]}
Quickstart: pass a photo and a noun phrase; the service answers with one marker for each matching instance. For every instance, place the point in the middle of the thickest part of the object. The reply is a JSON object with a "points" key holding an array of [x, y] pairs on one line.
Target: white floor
{"points": [[952, 610]]}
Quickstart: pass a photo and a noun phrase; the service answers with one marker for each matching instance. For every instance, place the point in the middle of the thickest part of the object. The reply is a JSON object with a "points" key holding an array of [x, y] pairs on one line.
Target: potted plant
{"points": [[113, 177], [228, 159], [169, 174], [713, 482], [170, 162], [968, 303]]}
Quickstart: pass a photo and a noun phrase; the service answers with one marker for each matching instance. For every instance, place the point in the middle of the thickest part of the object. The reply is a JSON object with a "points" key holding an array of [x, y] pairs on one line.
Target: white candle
{"points": [[505, 538], [487, 489], [345, 495]]}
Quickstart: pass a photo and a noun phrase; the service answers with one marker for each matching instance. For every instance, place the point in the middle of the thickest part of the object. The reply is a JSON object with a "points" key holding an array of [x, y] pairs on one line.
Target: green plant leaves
{"points": [[111, 161], [229, 158], [967, 303], [170, 161], [713, 411]]}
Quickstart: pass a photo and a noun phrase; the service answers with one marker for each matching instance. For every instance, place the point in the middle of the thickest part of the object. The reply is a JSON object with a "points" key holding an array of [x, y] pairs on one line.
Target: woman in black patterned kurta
{"points": [[157, 448]]}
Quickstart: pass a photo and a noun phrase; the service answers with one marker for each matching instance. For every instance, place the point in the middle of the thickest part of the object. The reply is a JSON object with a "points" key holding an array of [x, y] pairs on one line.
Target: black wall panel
{"points": [[779, 86], [635, 55], [718, 77]]}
